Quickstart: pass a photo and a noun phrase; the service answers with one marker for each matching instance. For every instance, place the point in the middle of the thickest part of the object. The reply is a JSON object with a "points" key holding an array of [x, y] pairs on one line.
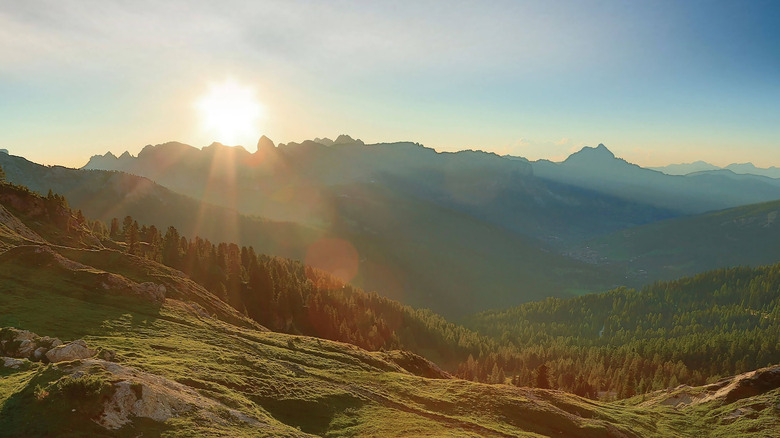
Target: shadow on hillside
{"points": [[68, 311], [310, 415]]}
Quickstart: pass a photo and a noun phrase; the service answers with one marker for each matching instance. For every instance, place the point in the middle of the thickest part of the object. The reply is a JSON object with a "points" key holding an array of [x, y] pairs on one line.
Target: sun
{"points": [[230, 112]]}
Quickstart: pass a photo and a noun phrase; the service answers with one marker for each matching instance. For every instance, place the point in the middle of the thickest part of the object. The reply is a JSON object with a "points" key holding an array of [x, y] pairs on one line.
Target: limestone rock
{"points": [[150, 291], [10, 362], [25, 344], [39, 353], [135, 399], [26, 348], [74, 350]]}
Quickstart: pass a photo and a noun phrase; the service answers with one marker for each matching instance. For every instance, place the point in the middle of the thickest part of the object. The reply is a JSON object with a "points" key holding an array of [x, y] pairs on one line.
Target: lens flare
{"points": [[230, 112]]}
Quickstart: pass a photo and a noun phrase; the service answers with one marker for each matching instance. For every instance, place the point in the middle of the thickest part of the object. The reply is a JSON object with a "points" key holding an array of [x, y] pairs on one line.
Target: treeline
{"points": [[612, 345], [287, 296], [50, 216], [627, 342], [616, 344]]}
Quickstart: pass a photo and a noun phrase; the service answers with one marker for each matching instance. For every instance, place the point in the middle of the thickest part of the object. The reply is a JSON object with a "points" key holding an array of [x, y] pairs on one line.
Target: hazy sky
{"points": [[657, 82]]}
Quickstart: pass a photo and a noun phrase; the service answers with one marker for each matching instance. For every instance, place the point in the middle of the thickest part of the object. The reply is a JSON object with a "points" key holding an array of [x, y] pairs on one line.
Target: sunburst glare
{"points": [[230, 112]]}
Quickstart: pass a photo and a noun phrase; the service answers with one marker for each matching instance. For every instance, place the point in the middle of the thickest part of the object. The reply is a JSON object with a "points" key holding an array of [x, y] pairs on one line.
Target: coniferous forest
{"points": [[611, 345]]}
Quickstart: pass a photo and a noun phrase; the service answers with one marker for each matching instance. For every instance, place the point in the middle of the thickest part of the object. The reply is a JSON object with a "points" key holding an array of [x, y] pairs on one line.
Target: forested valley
{"points": [[610, 345]]}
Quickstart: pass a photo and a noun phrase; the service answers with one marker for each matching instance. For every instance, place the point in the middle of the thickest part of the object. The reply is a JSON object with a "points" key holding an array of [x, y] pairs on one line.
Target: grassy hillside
{"points": [[168, 367]]}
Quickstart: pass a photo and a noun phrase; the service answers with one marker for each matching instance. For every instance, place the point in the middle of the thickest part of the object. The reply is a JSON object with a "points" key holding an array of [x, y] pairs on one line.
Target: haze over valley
{"points": [[328, 219]]}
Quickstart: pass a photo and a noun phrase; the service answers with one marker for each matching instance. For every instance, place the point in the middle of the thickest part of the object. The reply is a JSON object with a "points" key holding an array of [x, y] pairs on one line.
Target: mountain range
{"points": [[701, 166], [146, 349], [422, 227], [599, 170]]}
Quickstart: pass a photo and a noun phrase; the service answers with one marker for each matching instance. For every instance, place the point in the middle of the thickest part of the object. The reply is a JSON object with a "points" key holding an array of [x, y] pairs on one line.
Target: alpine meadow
{"points": [[484, 219]]}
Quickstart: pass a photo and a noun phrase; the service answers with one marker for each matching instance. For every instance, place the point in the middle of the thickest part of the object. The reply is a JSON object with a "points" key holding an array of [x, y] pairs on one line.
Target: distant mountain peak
{"points": [[324, 141], [125, 156], [265, 143], [346, 139], [601, 149], [589, 153]]}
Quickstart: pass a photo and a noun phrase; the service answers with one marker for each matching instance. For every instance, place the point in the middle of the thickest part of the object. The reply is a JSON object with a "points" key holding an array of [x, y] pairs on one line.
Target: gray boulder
{"points": [[72, 351], [10, 362]]}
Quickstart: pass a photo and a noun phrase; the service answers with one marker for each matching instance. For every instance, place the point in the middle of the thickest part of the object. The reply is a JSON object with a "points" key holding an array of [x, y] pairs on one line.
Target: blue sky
{"points": [[657, 82]]}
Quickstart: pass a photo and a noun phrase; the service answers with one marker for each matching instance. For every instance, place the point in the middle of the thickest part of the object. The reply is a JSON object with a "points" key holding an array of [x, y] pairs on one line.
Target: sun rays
{"points": [[230, 112]]}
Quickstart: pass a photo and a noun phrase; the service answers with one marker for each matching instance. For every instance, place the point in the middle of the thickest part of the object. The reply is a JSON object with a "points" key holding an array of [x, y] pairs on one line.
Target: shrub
{"points": [[86, 393]]}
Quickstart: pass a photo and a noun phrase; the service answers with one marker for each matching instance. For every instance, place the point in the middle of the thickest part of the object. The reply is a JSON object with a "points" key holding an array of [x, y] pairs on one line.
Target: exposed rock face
{"points": [[138, 394], [135, 399], [727, 390], [416, 364], [40, 256], [118, 284], [265, 143], [18, 228], [345, 139], [10, 362], [71, 351], [26, 345]]}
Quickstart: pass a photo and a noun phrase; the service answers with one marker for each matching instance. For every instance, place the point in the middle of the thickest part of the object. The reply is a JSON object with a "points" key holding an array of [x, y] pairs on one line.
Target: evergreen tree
{"points": [[114, 232], [542, 379]]}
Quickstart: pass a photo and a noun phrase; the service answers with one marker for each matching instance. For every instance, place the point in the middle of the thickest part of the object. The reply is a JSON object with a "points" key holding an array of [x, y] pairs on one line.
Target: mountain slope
{"points": [[689, 330], [106, 195], [169, 367], [685, 168], [294, 181], [599, 170], [413, 243], [748, 235], [738, 168], [163, 366]]}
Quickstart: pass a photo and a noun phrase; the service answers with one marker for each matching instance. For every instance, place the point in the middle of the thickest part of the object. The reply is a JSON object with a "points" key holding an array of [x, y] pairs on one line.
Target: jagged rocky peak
{"points": [[126, 156], [325, 141], [346, 139], [265, 143], [600, 150], [171, 147], [217, 147], [589, 153], [105, 161]]}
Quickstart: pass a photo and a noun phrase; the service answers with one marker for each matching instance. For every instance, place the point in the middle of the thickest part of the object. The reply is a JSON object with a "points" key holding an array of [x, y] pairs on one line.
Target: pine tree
{"points": [[542, 379], [114, 233]]}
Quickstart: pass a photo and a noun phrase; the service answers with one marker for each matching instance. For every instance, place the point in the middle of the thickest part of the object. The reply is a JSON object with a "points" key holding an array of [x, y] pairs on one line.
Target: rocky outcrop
{"points": [[416, 364], [13, 363], [15, 231], [147, 291], [74, 350], [138, 394], [40, 256], [25, 345], [728, 390]]}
